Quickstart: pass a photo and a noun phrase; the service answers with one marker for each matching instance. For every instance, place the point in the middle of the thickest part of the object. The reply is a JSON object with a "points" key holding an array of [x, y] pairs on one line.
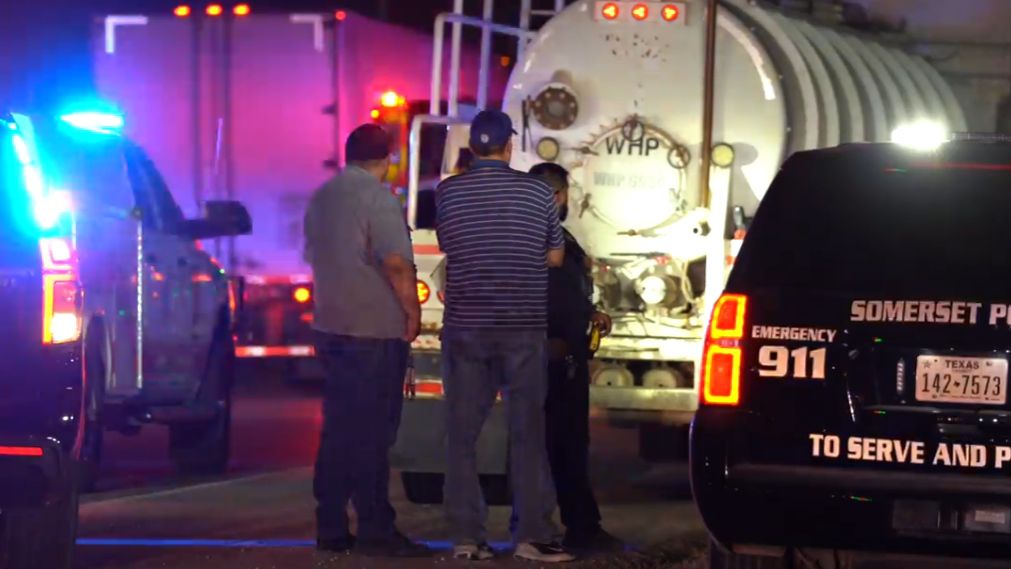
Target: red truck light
{"points": [[340, 15], [424, 292], [302, 294], [214, 10], [241, 10], [670, 13], [640, 12], [610, 11], [723, 355], [391, 100], [182, 11]]}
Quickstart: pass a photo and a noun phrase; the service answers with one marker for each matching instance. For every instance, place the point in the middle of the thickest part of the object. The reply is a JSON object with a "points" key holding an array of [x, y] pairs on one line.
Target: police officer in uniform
{"points": [[570, 315]]}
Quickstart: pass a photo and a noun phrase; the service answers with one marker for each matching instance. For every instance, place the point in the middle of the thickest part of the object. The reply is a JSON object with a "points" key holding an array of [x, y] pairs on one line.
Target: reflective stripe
{"points": [[20, 451], [278, 279], [273, 351], [424, 249]]}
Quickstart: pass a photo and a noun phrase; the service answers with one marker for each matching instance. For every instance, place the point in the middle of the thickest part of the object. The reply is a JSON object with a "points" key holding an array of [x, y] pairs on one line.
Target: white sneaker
{"points": [[543, 552], [471, 552]]}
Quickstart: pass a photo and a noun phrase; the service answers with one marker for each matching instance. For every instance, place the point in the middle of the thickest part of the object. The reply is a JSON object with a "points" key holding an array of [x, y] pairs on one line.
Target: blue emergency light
{"points": [[95, 121], [48, 206]]}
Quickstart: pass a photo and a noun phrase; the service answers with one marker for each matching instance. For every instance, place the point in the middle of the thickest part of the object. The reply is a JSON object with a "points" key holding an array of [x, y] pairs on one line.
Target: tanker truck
{"points": [[613, 91]]}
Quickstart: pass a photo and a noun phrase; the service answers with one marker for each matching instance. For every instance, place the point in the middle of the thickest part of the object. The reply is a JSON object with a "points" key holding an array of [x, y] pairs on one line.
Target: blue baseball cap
{"points": [[490, 129]]}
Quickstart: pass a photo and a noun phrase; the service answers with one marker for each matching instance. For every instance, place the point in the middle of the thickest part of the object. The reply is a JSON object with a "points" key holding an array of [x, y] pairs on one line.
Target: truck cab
{"points": [[115, 318]]}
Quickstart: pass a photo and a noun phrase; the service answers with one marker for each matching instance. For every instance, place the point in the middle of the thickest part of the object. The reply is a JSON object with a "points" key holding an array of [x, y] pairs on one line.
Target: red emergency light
{"points": [[610, 11], [241, 10], [670, 13], [640, 12], [182, 11], [214, 10], [391, 100], [340, 15]]}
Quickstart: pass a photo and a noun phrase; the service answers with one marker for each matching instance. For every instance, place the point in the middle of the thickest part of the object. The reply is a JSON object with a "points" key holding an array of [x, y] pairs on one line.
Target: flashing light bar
{"points": [[102, 123], [640, 12]]}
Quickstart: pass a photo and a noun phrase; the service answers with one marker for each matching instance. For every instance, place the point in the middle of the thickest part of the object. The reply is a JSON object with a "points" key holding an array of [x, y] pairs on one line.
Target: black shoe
{"points": [[596, 540], [399, 546], [341, 546]]}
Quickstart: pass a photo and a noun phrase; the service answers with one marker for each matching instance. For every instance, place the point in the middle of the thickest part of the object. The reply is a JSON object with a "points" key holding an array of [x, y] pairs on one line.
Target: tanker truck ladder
{"points": [[458, 18]]}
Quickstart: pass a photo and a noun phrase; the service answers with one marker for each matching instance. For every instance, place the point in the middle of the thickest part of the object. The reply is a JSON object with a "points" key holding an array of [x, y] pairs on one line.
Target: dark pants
{"points": [[568, 441], [477, 365], [362, 401]]}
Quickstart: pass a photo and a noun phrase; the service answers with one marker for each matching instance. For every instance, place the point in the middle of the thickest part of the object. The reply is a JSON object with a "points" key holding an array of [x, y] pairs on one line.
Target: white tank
{"points": [[623, 100]]}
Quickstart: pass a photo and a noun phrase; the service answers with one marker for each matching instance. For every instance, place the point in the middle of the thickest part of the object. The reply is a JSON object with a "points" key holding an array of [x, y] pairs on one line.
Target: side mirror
{"points": [[221, 219]]}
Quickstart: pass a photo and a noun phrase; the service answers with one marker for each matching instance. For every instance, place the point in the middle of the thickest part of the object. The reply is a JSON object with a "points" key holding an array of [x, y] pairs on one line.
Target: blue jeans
{"points": [[362, 400], [477, 364]]}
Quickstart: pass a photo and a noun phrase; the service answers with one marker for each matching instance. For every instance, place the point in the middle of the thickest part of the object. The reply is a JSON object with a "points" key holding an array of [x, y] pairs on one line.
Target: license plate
{"points": [[947, 379]]}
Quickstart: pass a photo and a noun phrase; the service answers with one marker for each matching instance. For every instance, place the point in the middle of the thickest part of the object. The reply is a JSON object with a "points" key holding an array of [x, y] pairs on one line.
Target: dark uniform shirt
{"points": [[570, 298]]}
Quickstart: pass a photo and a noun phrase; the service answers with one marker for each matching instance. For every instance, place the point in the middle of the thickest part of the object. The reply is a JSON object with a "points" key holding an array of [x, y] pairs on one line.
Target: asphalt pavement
{"points": [[260, 515]]}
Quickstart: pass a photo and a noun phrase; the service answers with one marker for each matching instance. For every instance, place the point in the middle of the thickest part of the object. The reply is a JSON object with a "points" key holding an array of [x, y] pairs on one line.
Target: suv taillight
{"points": [[61, 293], [723, 354]]}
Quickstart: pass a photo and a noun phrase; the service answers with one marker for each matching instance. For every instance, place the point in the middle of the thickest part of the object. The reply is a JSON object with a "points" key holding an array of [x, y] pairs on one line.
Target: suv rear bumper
{"points": [[750, 504], [30, 481]]}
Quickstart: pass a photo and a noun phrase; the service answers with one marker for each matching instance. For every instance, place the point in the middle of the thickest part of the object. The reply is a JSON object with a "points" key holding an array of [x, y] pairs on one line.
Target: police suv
{"points": [[111, 316], [854, 392]]}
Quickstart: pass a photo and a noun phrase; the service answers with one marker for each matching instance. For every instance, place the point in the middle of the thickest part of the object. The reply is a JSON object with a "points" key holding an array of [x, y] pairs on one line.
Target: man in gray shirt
{"points": [[365, 316]]}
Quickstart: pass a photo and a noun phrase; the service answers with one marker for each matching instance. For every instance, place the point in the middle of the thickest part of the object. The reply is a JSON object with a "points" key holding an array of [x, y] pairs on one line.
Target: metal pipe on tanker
{"points": [[708, 81], [198, 174], [521, 44], [482, 79], [454, 61], [337, 48], [435, 95], [226, 113]]}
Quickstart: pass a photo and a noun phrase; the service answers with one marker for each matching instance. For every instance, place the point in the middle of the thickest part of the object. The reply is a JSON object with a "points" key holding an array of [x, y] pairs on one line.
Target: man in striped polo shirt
{"points": [[500, 231]]}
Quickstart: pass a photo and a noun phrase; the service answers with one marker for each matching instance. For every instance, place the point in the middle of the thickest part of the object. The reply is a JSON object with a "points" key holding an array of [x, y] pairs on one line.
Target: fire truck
{"points": [[237, 104], [614, 92]]}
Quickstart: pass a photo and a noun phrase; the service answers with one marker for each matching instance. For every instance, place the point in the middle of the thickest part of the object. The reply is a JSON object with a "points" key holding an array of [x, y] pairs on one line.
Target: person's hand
{"points": [[602, 321], [413, 327]]}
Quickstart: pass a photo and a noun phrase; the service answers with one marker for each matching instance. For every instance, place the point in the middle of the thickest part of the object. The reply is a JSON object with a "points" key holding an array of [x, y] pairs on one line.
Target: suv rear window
{"points": [[879, 220]]}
